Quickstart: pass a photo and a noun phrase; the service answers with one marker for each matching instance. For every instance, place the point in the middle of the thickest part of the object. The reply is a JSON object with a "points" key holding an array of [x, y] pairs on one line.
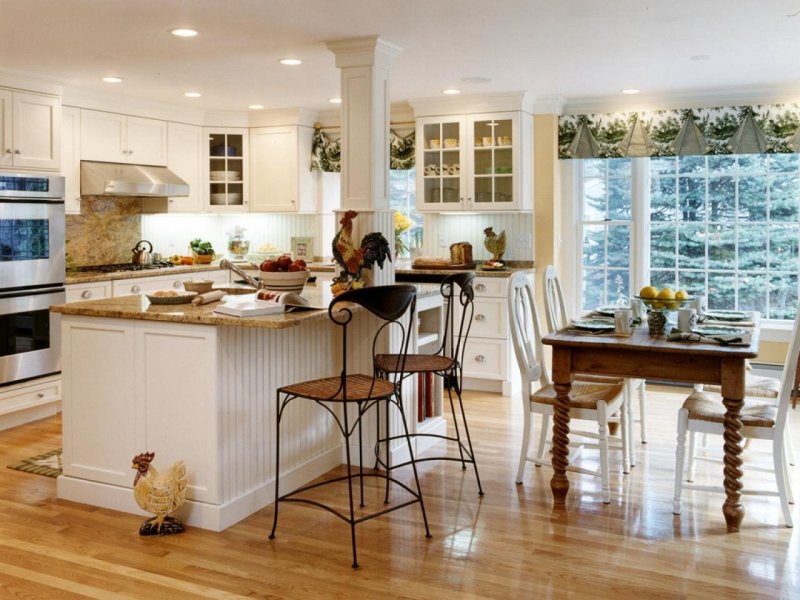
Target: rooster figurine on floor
{"points": [[159, 494], [354, 260], [496, 244]]}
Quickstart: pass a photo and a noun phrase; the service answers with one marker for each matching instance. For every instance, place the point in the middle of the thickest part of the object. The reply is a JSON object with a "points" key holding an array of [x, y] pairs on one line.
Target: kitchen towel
{"points": [[743, 339]]}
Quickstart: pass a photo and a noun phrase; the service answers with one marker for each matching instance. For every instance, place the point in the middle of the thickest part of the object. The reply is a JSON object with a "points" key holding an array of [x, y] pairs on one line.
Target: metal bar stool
{"points": [[447, 362], [356, 393]]}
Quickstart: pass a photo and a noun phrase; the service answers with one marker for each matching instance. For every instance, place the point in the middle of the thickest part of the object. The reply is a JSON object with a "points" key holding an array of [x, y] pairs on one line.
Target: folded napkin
{"points": [[738, 339], [706, 318]]}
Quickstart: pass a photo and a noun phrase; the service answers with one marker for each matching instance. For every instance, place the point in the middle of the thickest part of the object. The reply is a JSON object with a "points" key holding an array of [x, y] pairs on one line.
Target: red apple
{"points": [[269, 265], [284, 262], [294, 267], [300, 263]]}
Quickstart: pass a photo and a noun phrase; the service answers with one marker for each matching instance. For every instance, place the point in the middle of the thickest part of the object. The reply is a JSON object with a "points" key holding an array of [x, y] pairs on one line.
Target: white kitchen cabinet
{"points": [[488, 354], [146, 285], [29, 401], [476, 162], [281, 179], [111, 137], [96, 290], [185, 159], [30, 130], [226, 170], [71, 158]]}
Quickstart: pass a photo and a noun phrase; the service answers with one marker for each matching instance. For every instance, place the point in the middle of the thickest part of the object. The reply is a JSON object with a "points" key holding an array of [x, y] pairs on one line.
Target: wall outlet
{"points": [[524, 240]]}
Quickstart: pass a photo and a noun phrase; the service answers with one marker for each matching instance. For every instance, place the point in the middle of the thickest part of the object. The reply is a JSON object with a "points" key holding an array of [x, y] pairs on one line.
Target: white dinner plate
{"points": [[593, 324]]}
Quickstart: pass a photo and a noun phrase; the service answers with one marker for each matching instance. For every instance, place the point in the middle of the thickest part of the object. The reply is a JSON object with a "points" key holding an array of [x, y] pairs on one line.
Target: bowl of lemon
{"points": [[659, 303]]}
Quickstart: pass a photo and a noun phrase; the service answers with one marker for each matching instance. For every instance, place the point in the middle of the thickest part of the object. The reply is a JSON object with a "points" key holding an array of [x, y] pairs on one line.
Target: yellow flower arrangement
{"points": [[401, 224]]}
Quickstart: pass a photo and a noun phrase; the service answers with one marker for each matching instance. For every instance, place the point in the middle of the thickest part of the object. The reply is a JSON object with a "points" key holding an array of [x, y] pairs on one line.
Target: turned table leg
{"points": [[562, 378], [733, 374]]}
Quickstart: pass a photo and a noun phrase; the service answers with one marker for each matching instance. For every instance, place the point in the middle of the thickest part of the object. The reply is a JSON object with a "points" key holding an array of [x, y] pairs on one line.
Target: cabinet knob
{"points": [[17, 151], [480, 358], [480, 317], [136, 289], [40, 395], [130, 151], [8, 150], [480, 287], [86, 294], [177, 284]]}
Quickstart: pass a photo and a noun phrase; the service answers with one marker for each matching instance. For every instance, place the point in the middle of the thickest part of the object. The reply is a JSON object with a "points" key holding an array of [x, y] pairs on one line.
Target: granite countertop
{"points": [[95, 276], [138, 307]]}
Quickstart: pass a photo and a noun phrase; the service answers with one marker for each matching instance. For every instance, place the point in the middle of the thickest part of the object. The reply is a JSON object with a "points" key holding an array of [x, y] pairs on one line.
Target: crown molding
{"points": [[472, 103], [30, 83], [283, 116]]}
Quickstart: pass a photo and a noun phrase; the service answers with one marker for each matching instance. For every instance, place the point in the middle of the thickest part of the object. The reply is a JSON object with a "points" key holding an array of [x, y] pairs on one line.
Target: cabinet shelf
{"points": [[498, 175]]}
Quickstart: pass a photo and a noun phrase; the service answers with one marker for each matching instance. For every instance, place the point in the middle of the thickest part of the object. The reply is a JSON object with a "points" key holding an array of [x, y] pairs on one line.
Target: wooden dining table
{"points": [[645, 356]]}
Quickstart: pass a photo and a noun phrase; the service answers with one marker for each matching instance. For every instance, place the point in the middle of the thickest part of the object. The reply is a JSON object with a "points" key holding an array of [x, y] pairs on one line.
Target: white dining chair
{"points": [[556, 312], [761, 419], [589, 401]]}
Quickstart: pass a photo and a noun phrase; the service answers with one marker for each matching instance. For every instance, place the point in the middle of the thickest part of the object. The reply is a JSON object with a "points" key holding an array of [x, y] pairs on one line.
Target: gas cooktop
{"points": [[120, 267]]}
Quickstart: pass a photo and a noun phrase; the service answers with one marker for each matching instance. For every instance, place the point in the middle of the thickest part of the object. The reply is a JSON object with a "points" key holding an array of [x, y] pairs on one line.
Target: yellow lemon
{"points": [[648, 292], [667, 294], [681, 295]]}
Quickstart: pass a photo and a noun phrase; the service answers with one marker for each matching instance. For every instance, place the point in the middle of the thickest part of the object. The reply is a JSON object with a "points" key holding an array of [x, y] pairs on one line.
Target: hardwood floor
{"points": [[509, 544]]}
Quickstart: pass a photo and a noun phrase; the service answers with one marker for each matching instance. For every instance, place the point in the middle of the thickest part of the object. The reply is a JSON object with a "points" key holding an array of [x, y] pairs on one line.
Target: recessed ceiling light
{"points": [[475, 79], [291, 61], [700, 57], [451, 91], [630, 91], [112, 79], [335, 100], [256, 106], [184, 32], [192, 94]]}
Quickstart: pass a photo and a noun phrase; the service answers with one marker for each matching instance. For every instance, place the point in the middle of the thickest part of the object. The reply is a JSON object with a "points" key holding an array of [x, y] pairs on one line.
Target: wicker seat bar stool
{"points": [[348, 397], [446, 362]]}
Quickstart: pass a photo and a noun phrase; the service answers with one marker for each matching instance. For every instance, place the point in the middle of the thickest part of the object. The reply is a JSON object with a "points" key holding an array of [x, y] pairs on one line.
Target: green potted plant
{"points": [[202, 252]]}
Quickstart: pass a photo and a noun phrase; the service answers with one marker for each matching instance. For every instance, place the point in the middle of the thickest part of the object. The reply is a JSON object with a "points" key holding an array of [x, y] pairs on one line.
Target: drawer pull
{"points": [[136, 289], [480, 317], [480, 358], [86, 294], [480, 287], [177, 284], [40, 395]]}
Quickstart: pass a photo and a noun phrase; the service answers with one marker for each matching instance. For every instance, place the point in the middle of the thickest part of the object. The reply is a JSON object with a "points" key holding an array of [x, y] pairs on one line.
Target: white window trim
{"points": [[571, 235]]}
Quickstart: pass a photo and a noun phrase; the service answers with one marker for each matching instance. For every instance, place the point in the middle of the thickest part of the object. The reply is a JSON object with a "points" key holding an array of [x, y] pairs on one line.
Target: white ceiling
{"points": [[576, 49]]}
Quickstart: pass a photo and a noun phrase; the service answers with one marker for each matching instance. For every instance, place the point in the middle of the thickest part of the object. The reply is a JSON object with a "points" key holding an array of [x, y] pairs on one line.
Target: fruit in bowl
{"points": [[664, 299], [284, 274]]}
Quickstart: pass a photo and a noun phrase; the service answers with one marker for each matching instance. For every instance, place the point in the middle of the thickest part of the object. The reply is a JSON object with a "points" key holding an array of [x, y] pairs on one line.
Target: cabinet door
{"points": [[70, 158], [226, 170], [185, 159], [147, 141], [36, 129], [103, 136], [273, 157], [499, 143], [6, 150], [441, 162]]}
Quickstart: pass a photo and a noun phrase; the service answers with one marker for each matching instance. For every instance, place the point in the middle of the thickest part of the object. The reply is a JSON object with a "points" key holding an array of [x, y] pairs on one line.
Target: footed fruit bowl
{"points": [[284, 281], [665, 303]]}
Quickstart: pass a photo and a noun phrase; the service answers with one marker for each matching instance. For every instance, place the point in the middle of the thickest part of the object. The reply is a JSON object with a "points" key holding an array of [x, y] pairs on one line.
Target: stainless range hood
{"points": [[119, 179]]}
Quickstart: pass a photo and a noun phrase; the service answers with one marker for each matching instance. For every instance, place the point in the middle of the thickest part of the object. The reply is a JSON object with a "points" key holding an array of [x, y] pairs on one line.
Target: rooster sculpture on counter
{"points": [[496, 244], [352, 260], [159, 494]]}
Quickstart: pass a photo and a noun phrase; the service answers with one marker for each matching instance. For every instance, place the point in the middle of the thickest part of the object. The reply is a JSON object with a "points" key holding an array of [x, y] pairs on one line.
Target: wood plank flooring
{"points": [[510, 544]]}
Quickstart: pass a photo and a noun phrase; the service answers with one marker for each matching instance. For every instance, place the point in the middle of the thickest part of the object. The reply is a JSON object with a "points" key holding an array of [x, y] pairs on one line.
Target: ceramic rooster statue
{"points": [[352, 260], [496, 244], [159, 494]]}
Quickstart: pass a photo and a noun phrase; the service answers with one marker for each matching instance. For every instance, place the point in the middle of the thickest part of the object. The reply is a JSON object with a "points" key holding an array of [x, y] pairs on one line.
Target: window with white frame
{"points": [[727, 226]]}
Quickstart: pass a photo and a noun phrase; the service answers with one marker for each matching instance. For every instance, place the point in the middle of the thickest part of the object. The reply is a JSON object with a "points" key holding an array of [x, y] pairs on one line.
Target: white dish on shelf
{"points": [[222, 199], [224, 175]]}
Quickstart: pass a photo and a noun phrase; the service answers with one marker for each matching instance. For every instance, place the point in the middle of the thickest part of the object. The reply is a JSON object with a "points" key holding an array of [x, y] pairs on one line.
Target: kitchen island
{"points": [[190, 384]]}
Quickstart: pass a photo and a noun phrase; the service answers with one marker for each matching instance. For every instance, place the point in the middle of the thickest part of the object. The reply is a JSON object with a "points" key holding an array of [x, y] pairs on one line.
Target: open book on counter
{"points": [[266, 303]]}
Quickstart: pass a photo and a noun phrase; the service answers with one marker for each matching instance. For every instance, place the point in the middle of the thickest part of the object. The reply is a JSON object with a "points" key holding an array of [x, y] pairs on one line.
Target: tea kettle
{"points": [[140, 255]]}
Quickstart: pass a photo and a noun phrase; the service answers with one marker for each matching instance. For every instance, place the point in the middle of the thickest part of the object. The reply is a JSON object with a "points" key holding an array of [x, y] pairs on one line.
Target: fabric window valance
{"points": [[755, 129], [326, 154]]}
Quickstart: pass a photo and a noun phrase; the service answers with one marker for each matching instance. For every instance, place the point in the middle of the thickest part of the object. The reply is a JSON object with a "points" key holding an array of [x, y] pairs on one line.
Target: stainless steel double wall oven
{"points": [[32, 269]]}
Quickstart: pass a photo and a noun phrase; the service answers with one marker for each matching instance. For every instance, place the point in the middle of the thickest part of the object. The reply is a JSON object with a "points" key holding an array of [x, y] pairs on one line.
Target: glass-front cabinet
{"points": [[227, 170], [474, 162]]}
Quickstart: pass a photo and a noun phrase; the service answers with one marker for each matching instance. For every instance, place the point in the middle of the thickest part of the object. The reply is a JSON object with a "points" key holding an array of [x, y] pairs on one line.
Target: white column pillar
{"points": [[364, 64]]}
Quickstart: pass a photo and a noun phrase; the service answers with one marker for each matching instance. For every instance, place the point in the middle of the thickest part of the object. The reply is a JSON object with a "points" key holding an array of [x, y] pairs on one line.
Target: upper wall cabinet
{"points": [[281, 179], [70, 157], [110, 137], [185, 159], [30, 130], [226, 169], [478, 162]]}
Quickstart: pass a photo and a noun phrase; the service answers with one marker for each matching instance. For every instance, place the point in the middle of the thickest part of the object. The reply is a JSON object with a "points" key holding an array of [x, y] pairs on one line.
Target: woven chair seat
{"points": [[755, 413], [415, 363], [755, 387], [588, 377], [583, 394], [359, 388]]}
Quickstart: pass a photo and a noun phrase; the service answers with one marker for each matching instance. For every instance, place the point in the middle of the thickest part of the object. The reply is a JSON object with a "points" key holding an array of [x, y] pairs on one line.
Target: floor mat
{"points": [[47, 464]]}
